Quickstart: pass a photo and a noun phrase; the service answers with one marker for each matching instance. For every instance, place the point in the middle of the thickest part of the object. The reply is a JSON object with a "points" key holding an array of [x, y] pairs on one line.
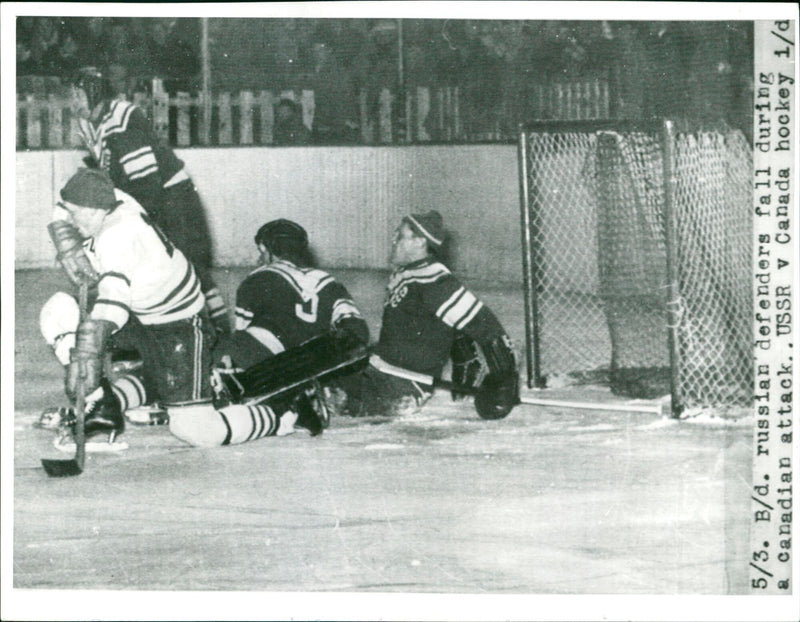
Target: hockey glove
{"points": [[468, 364], [499, 392], [71, 256], [497, 396], [90, 162], [350, 333], [86, 358]]}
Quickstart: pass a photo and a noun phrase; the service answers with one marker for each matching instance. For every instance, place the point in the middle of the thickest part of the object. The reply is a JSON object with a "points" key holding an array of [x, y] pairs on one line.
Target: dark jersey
{"points": [[137, 161], [283, 306], [424, 309]]}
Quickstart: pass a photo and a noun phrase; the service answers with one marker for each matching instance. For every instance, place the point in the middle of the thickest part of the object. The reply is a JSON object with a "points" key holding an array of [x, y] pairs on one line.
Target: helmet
{"points": [[285, 239], [282, 237], [96, 85]]}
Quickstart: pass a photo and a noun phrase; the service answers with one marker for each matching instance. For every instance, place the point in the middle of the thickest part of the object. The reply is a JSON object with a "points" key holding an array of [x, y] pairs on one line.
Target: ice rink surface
{"points": [[547, 501]]}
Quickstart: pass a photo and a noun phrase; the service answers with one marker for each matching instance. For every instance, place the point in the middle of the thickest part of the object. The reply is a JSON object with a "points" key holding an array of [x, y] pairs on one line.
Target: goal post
{"points": [[636, 256]]}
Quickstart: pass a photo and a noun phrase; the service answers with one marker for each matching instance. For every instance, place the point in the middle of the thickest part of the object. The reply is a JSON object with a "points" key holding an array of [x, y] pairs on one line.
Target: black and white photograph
{"points": [[399, 311]]}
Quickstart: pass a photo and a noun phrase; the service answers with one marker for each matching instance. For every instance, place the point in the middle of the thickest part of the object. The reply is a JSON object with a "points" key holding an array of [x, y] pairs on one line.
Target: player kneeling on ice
{"points": [[146, 285], [428, 318]]}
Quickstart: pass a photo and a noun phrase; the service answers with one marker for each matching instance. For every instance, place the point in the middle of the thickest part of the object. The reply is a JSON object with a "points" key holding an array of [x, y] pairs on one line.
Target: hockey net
{"points": [[602, 303]]}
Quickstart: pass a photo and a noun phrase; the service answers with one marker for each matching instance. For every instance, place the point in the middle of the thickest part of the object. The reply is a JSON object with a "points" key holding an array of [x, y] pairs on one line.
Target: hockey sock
{"points": [[202, 426], [130, 392]]}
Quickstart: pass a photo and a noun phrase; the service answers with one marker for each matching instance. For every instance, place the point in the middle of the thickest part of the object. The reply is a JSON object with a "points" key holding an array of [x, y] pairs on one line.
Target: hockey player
{"points": [[144, 284], [285, 302], [429, 317], [121, 142]]}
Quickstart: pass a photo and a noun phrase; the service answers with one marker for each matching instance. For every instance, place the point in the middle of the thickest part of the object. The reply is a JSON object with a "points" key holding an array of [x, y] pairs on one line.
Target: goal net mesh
{"points": [[598, 261]]}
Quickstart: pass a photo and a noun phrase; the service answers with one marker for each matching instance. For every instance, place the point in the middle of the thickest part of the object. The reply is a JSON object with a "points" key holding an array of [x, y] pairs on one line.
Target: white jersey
{"points": [[141, 271]]}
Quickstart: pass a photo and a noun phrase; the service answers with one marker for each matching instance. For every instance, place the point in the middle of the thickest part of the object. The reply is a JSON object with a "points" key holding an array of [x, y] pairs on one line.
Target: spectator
{"points": [[67, 58], [334, 96], [44, 46], [289, 128], [172, 54]]}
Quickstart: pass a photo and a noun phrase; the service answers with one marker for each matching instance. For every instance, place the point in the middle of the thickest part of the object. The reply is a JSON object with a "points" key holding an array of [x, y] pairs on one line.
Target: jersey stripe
{"points": [[117, 118], [187, 277], [116, 275], [456, 313], [447, 304], [342, 308], [111, 310], [471, 314], [266, 338], [139, 163], [306, 282], [425, 274]]}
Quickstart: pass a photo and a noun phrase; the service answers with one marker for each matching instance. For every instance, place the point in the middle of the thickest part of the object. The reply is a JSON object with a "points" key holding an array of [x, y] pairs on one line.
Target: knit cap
{"points": [[429, 225], [90, 187]]}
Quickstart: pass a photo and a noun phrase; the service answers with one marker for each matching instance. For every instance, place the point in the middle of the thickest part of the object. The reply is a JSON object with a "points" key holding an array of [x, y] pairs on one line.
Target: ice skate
{"points": [[103, 416], [312, 412], [56, 418]]}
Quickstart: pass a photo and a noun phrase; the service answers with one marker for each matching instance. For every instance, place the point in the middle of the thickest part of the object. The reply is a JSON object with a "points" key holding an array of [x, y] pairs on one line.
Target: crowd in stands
{"points": [[131, 50], [654, 68]]}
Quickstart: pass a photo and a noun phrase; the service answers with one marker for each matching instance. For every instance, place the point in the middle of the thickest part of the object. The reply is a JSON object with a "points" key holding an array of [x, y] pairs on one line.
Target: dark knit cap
{"points": [[429, 225], [90, 188]]}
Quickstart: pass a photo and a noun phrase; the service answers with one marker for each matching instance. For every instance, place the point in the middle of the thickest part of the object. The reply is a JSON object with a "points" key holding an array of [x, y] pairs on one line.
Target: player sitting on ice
{"points": [[145, 285], [428, 318], [285, 304], [120, 141]]}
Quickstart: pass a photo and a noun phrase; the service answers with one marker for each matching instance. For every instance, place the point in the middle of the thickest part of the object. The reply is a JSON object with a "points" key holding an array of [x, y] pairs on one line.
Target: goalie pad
{"points": [[58, 321], [70, 253], [318, 358]]}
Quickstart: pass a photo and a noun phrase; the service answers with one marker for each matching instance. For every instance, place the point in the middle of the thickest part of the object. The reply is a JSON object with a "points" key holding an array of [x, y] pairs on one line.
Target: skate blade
{"points": [[92, 447]]}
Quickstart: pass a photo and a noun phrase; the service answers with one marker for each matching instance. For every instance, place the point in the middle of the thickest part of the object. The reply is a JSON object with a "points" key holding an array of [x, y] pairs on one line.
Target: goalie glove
{"points": [[469, 367], [70, 253], [86, 358], [499, 392]]}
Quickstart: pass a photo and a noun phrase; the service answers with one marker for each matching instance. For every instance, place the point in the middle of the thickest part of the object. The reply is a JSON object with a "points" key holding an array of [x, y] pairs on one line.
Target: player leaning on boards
{"points": [[428, 318], [121, 142], [144, 285]]}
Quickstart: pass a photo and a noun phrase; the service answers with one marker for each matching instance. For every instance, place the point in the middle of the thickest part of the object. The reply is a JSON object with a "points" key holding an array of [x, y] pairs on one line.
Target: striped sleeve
{"points": [[460, 309], [113, 299], [139, 163], [133, 167]]}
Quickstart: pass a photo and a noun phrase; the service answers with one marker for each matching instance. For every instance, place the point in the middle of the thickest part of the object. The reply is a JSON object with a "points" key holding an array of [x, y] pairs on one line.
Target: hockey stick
{"points": [[74, 466], [654, 408], [360, 356]]}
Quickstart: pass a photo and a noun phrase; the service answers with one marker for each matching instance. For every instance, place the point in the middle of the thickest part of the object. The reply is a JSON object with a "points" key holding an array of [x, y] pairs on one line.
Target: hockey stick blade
{"points": [[61, 468]]}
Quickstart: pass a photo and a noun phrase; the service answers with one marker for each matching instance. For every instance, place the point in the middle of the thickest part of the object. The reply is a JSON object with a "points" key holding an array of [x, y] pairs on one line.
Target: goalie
{"points": [[145, 286], [428, 318]]}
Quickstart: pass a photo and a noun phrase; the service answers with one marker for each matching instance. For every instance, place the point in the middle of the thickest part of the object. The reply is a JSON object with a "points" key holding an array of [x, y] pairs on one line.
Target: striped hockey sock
{"points": [[130, 392], [202, 426]]}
